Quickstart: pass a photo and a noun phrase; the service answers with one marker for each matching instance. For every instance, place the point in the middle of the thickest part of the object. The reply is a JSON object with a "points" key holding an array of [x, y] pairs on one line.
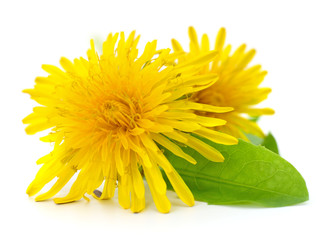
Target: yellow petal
{"points": [[88, 180], [187, 105], [124, 191], [183, 125], [197, 61], [160, 159], [258, 111], [194, 44], [63, 178], [118, 159], [204, 149], [137, 204], [137, 179], [172, 147], [205, 43], [160, 199], [180, 188], [216, 136], [46, 173], [39, 126], [209, 121], [176, 46], [175, 135], [157, 179], [220, 39]]}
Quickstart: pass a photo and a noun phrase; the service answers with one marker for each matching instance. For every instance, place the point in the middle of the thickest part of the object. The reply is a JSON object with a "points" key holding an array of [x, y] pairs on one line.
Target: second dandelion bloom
{"points": [[110, 114], [237, 86]]}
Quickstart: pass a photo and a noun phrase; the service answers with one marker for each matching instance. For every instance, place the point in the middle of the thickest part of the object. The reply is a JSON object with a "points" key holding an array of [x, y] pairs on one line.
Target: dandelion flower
{"points": [[237, 87], [108, 117]]}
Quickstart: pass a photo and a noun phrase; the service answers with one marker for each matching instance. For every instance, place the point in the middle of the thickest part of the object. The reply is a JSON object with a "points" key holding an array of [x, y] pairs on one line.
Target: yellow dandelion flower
{"points": [[108, 116], [237, 87]]}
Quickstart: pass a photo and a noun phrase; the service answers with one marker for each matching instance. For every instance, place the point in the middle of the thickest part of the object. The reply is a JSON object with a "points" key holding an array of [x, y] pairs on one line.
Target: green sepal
{"points": [[269, 141], [254, 119]]}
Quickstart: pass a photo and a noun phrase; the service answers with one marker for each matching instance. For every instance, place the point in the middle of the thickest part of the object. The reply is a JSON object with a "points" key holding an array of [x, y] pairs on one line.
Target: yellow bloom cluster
{"points": [[111, 116], [237, 85]]}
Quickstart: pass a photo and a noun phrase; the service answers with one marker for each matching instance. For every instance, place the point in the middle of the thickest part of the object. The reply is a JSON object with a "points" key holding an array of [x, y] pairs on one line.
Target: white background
{"points": [[291, 39]]}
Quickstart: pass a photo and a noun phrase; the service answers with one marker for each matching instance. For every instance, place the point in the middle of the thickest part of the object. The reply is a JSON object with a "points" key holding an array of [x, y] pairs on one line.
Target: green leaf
{"points": [[270, 143], [249, 174]]}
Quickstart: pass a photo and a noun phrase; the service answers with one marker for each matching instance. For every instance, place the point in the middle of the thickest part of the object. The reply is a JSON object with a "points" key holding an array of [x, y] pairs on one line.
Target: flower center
{"points": [[120, 114], [211, 96]]}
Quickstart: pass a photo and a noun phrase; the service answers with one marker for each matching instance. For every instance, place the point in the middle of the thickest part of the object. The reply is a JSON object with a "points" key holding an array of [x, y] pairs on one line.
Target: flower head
{"points": [[237, 86], [108, 117]]}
